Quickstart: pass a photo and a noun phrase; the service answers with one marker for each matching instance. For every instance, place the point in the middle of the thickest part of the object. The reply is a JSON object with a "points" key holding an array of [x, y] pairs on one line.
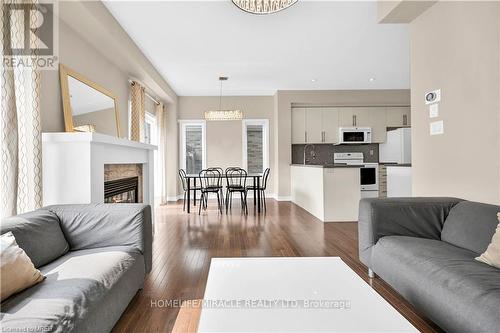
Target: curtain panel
{"points": [[137, 112], [20, 126], [161, 123]]}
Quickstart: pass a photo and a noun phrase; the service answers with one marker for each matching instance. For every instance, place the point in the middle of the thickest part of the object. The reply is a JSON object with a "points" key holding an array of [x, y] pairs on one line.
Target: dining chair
{"points": [[184, 180], [262, 188], [236, 179], [210, 180], [220, 182]]}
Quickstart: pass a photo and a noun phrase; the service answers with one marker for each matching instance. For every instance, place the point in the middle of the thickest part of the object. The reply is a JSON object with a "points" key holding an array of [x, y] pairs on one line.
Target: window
{"points": [[193, 152], [150, 135], [255, 145]]}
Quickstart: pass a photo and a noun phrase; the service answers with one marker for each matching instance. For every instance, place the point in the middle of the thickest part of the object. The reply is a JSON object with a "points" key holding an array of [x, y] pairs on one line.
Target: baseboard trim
{"points": [[250, 195]]}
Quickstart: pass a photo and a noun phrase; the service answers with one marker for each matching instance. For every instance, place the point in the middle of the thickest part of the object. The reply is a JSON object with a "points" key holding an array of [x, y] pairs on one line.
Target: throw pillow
{"points": [[492, 254], [17, 272]]}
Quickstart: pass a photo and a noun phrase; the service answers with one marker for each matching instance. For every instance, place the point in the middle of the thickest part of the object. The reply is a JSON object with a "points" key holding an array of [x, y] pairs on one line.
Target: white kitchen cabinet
{"points": [[298, 125], [355, 117], [346, 117], [330, 125], [398, 116], [378, 123], [314, 127]]}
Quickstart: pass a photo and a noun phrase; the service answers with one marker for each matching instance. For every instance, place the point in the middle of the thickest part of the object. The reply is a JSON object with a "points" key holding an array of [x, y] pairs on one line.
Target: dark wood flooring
{"points": [[184, 244]]}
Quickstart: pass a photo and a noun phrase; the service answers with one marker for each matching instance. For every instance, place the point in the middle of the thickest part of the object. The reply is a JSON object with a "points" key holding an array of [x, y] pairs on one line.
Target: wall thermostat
{"points": [[433, 96]]}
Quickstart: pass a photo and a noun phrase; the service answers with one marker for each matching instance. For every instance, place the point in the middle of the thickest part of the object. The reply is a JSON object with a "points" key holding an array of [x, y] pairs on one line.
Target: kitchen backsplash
{"points": [[324, 152]]}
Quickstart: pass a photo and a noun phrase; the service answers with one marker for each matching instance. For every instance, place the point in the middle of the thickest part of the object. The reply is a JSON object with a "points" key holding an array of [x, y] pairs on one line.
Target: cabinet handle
{"points": [[355, 120], [305, 136], [323, 136], [405, 121]]}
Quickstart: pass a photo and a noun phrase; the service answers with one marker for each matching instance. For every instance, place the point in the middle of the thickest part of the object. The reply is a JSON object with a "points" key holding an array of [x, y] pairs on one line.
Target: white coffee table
{"points": [[293, 295]]}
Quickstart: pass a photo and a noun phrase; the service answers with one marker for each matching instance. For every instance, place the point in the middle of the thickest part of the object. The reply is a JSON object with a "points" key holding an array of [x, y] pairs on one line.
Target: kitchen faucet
{"points": [[313, 152]]}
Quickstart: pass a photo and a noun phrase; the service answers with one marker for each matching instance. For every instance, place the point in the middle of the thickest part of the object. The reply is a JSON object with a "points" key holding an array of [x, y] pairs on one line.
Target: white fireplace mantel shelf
{"points": [[73, 166]]}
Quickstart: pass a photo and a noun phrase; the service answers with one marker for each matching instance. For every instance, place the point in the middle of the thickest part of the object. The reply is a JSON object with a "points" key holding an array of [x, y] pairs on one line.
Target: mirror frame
{"points": [[64, 72]]}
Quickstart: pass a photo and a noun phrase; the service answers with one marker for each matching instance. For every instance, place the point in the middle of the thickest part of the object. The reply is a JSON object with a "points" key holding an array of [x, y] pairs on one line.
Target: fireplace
{"points": [[123, 183], [123, 190]]}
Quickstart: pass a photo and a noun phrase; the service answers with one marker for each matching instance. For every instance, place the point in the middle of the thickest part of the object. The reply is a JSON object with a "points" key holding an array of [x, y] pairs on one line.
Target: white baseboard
{"points": [[175, 198], [250, 195]]}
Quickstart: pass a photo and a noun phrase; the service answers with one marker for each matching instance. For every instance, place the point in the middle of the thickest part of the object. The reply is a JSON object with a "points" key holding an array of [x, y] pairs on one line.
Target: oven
{"points": [[369, 180]]}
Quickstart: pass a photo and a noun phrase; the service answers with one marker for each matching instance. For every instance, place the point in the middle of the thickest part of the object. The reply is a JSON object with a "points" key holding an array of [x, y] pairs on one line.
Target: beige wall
{"points": [[224, 138], [283, 123], [82, 57], [94, 44], [455, 47]]}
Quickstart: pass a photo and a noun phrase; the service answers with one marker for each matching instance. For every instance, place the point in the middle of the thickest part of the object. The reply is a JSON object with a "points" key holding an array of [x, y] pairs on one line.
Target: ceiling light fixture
{"points": [[221, 114], [261, 7], [372, 79], [314, 80]]}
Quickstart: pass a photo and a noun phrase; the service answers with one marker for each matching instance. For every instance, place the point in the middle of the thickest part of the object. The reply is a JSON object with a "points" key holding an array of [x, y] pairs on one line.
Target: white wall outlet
{"points": [[437, 127], [434, 110], [433, 96]]}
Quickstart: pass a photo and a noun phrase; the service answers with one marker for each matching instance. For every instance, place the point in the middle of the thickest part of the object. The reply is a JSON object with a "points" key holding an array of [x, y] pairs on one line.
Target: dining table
{"points": [[192, 178]]}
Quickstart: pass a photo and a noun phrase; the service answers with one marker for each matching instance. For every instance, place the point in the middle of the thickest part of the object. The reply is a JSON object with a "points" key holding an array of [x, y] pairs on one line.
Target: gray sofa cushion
{"points": [[85, 291], [442, 280], [39, 234], [471, 225]]}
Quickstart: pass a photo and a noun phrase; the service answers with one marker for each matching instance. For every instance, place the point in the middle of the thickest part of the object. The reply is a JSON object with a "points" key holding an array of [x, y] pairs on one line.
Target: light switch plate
{"points": [[434, 110], [437, 127]]}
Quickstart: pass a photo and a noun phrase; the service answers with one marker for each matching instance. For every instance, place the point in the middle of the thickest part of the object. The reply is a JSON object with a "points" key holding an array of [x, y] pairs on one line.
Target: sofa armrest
{"points": [[416, 217], [103, 225]]}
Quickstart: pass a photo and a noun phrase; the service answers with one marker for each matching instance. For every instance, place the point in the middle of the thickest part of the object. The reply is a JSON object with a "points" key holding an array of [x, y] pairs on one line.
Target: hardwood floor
{"points": [[184, 244]]}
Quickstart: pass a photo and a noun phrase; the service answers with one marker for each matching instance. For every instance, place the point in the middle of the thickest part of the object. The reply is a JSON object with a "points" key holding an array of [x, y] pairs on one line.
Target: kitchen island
{"points": [[329, 192]]}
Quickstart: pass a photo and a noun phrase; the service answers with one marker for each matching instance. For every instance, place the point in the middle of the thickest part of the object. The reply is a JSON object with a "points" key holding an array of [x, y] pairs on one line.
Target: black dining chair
{"points": [[261, 189], [236, 179], [220, 182], [184, 180], [210, 180]]}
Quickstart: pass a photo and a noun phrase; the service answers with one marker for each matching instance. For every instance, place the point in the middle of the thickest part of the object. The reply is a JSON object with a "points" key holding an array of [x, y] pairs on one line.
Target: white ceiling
{"points": [[339, 44]]}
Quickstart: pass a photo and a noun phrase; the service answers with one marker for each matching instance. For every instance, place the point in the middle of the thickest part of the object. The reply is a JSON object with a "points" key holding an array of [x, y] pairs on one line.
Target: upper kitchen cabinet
{"points": [[330, 121], [378, 123], [314, 126], [398, 116], [299, 126]]}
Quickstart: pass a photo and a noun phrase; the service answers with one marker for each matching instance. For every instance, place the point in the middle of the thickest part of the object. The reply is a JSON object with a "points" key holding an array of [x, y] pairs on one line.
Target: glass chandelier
{"points": [[263, 6], [222, 114]]}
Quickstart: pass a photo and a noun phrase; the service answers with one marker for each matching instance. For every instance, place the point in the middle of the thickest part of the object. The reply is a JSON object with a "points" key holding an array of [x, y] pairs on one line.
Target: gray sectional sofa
{"points": [[425, 249], [94, 257]]}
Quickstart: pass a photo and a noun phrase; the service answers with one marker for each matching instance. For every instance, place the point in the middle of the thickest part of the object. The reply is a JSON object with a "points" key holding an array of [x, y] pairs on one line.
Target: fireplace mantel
{"points": [[73, 166]]}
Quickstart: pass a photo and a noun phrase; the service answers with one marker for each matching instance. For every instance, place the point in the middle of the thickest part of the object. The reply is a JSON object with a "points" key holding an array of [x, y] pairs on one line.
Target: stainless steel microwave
{"points": [[355, 135]]}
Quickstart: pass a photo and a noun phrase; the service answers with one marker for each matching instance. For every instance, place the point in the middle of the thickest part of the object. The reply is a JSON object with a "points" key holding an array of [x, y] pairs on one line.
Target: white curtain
{"points": [[20, 129], [137, 112], [161, 181]]}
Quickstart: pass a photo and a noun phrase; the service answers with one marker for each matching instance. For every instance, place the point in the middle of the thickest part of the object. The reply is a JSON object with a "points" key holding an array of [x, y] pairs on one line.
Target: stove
{"points": [[368, 172]]}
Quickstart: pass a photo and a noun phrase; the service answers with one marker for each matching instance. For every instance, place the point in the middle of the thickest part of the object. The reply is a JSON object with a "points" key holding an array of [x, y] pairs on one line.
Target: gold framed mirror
{"points": [[87, 106]]}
